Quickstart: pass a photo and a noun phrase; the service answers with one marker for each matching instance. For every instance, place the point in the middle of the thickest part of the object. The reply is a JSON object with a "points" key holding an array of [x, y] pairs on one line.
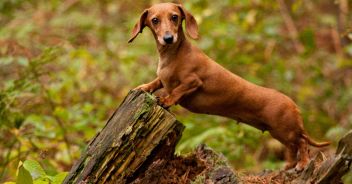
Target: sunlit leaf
{"points": [[42, 181], [23, 177], [34, 168], [59, 178]]}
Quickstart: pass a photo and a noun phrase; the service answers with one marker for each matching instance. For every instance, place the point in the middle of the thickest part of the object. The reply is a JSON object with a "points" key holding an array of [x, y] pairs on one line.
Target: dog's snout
{"points": [[168, 38]]}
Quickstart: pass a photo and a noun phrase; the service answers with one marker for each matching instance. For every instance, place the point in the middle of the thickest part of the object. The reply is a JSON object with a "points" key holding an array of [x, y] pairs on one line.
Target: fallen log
{"points": [[138, 142]]}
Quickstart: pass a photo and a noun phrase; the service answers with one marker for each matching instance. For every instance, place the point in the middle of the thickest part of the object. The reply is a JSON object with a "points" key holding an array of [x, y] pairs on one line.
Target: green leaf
{"points": [[34, 168], [59, 178], [42, 181], [23, 177]]}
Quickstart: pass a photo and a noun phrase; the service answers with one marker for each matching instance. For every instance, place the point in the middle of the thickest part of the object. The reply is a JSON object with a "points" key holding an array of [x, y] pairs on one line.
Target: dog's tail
{"points": [[314, 143]]}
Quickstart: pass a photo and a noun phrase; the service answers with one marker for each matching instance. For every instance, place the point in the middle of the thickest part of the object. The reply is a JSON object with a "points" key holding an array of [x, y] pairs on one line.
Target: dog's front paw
{"points": [[144, 87], [290, 165], [165, 102]]}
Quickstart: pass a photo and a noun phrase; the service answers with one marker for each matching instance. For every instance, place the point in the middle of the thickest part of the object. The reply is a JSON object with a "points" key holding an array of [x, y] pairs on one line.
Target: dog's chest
{"points": [[167, 73], [160, 65], [165, 68]]}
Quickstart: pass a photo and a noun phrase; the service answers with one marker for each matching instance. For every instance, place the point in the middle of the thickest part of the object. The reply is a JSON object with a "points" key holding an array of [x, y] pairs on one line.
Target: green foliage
{"points": [[23, 177], [66, 65], [30, 172], [8, 6], [34, 168], [10, 115]]}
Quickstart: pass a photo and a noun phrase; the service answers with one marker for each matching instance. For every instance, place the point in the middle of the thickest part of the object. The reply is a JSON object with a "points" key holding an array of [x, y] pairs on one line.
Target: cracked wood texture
{"points": [[137, 131]]}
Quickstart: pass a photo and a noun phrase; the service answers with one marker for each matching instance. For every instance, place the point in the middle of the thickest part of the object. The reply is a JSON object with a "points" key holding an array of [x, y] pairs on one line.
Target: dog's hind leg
{"points": [[291, 147], [303, 154], [291, 156]]}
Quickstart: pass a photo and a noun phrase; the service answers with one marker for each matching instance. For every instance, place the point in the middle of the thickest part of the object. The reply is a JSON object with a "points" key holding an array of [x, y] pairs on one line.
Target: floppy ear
{"points": [[191, 23], [138, 28]]}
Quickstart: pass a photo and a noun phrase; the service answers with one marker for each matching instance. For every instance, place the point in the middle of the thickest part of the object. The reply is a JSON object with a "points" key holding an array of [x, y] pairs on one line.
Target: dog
{"points": [[196, 82]]}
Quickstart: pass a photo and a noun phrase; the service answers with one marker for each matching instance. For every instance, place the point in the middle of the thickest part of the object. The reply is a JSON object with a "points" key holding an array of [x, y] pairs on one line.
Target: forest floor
{"points": [[205, 166]]}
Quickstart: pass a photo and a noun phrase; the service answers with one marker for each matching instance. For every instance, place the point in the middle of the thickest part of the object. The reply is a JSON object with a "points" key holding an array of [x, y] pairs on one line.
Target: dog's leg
{"points": [[291, 156], [188, 85], [151, 87], [291, 146], [303, 154]]}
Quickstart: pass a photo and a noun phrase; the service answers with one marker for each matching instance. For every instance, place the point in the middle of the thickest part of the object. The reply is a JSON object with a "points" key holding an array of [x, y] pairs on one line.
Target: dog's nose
{"points": [[168, 38]]}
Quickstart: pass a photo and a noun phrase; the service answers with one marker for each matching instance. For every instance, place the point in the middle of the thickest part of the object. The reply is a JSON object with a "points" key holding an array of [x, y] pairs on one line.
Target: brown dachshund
{"points": [[196, 82]]}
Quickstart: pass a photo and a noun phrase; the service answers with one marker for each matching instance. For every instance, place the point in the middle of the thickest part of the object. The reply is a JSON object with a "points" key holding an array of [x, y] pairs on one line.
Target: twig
{"points": [[292, 30]]}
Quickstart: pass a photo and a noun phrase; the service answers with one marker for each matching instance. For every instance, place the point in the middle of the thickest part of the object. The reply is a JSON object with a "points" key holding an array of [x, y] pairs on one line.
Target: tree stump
{"points": [[138, 142], [139, 130]]}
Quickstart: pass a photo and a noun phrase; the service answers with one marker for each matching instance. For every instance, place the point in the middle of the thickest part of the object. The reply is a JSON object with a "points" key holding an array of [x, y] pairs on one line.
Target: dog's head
{"points": [[165, 21]]}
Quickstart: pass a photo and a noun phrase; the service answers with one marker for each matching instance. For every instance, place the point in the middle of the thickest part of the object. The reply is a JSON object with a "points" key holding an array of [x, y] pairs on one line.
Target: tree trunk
{"points": [[138, 142]]}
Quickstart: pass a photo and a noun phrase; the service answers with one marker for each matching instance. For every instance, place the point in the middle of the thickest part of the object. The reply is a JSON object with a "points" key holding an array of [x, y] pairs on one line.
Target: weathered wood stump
{"points": [[138, 131], [138, 142]]}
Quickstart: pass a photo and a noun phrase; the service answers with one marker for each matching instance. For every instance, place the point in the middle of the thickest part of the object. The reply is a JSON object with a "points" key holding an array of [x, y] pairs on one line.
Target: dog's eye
{"points": [[174, 18], [155, 20]]}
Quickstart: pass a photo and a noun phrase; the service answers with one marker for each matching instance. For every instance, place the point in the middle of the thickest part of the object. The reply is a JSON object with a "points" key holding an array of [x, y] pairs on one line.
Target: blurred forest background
{"points": [[65, 66]]}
